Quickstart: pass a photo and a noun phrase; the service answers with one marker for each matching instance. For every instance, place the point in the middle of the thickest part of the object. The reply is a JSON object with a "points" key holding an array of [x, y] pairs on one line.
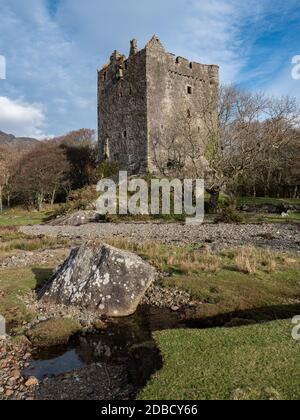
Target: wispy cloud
{"points": [[53, 47]]}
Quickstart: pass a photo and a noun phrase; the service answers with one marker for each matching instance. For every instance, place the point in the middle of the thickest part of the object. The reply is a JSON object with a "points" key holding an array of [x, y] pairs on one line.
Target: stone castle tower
{"points": [[142, 101]]}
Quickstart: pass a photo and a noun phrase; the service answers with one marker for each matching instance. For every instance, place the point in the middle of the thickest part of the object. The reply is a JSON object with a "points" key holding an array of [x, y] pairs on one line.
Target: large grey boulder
{"points": [[82, 217], [102, 278]]}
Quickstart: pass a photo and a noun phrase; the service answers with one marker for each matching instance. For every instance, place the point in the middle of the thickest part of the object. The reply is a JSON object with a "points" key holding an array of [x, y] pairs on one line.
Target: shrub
{"points": [[228, 215]]}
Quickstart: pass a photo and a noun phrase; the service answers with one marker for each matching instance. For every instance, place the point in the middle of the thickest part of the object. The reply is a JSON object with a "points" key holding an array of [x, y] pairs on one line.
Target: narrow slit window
{"points": [[125, 134], [189, 90]]}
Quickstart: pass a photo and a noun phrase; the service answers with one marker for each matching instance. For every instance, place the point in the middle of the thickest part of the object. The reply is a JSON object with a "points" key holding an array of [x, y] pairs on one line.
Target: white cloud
{"points": [[21, 119]]}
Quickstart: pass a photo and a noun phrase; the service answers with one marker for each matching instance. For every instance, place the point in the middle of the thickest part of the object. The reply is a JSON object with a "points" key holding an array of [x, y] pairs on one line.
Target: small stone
{"points": [[16, 374], [99, 325], [27, 356], [31, 382], [9, 393]]}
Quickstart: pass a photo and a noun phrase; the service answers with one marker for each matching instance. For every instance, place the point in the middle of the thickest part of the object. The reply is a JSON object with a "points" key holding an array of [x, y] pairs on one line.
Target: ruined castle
{"points": [[143, 101]]}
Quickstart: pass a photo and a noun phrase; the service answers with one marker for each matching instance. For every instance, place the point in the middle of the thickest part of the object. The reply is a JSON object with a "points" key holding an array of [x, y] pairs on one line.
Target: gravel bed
{"points": [[280, 237]]}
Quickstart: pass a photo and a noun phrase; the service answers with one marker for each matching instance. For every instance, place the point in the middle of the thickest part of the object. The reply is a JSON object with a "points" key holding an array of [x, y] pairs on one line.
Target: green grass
{"points": [[259, 362], [229, 291], [14, 283], [268, 200], [16, 217], [17, 282], [271, 218]]}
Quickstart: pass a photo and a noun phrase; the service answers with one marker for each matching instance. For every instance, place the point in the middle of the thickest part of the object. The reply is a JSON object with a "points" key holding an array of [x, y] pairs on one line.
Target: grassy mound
{"points": [[54, 332]]}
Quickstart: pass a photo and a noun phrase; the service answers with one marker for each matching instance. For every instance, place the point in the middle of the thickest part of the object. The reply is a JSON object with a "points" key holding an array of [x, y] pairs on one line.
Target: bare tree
{"points": [[41, 173], [253, 132]]}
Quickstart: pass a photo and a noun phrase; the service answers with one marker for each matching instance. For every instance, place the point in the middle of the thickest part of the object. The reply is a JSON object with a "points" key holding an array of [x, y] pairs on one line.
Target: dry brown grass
{"points": [[246, 260], [194, 259], [184, 259], [11, 241], [250, 260]]}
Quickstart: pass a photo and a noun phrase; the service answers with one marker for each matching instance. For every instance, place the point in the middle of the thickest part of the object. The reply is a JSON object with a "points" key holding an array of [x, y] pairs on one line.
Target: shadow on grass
{"points": [[245, 317], [42, 275], [193, 318]]}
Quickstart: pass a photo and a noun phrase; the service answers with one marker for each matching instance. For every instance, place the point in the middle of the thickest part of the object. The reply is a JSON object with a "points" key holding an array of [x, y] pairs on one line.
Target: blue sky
{"points": [[54, 47]]}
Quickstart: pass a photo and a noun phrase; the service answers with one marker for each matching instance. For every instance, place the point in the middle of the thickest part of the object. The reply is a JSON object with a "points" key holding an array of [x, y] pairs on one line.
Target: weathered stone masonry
{"points": [[142, 99]]}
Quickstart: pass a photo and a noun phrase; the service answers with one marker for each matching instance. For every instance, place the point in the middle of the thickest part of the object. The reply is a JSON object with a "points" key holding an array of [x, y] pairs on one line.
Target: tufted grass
{"points": [[241, 279]]}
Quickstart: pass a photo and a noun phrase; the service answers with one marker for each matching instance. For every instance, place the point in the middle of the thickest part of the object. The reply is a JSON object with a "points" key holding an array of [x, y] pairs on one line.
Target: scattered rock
{"points": [[164, 297], [95, 382], [102, 278], [31, 259], [12, 363]]}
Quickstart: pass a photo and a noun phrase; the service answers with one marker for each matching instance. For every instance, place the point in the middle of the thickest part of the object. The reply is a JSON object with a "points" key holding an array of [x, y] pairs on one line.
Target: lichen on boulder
{"points": [[101, 278]]}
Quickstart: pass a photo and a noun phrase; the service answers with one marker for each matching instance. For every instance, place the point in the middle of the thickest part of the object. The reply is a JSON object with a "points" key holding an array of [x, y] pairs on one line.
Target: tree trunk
{"points": [[40, 200], [53, 198], [296, 192], [1, 201]]}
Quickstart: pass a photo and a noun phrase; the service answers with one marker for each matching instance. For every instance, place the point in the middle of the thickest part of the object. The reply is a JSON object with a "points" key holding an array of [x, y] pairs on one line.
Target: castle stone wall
{"points": [[177, 90], [123, 112], [145, 101]]}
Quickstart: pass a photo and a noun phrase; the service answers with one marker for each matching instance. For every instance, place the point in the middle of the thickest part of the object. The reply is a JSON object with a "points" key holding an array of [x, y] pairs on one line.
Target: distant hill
{"points": [[17, 142]]}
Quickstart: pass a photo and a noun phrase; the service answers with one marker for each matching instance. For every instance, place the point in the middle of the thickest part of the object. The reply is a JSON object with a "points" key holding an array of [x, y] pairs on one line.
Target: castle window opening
{"points": [[125, 134], [191, 65], [189, 90]]}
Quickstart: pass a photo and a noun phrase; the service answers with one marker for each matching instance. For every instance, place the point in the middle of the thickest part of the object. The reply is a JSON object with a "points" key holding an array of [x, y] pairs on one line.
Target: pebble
{"points": [[31, 382]]}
